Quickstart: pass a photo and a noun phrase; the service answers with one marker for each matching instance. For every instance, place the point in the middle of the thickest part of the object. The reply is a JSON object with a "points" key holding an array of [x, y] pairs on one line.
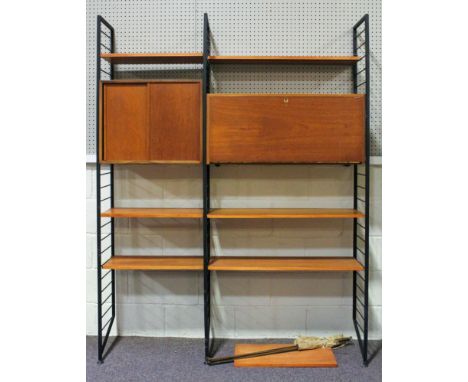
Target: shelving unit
{"points": [[358, 264], [107, 261]]}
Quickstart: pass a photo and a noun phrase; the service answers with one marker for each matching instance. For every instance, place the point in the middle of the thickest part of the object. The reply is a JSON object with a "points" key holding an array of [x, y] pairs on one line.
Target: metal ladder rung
{"points": [[109, 308], [107, 323]]}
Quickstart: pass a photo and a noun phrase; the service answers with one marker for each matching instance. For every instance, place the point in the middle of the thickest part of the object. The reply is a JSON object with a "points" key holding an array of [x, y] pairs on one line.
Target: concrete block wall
{"points": [[245, 305]]}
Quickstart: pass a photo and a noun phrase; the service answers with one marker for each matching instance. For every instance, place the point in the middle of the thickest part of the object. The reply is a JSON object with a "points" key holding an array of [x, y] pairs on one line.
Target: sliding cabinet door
{"points": [[175, 120], [125, 118]]}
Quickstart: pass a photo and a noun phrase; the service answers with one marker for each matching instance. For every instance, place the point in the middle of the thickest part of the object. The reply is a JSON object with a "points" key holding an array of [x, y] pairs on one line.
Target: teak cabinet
{"points": [[150, 121], [269, 128]]}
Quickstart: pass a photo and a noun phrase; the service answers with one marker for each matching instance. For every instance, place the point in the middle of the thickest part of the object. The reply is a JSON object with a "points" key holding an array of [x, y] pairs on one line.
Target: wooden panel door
{"points": [[175, 120], [125, 133], [271, 128]]}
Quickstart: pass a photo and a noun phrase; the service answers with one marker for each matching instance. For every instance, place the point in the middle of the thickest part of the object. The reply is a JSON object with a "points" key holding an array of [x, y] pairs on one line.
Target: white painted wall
{"points": [[245, 305]]}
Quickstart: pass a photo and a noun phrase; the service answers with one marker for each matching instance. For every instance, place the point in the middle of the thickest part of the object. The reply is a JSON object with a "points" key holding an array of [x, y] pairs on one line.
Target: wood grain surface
{"points": [[317, 60], [153, 58], [304, 358], [182, 213], [155, 263], [151, 122], [284, 213], [284, 264], [125, 125], [288, 128], [175, 121]]}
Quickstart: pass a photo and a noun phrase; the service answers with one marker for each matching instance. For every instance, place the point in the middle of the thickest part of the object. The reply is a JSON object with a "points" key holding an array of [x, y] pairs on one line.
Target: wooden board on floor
{"points": [[304, 358]]}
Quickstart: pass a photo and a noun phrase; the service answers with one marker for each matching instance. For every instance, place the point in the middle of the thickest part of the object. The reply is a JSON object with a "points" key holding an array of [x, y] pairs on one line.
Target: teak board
{"points": [[317, 60], [286, 128], [182, 213], [285, 264], [284, 213], [155, 263], [323, 357], [153, 58]]}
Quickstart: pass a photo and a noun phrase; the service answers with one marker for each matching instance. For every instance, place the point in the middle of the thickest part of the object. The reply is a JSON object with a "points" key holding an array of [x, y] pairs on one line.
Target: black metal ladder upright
{"points": [[206, 189], [361, 85], [104, 199]]}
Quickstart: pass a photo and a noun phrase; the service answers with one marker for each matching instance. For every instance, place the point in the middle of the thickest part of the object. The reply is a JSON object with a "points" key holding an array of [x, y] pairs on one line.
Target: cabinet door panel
{"points": [[175, 116], [126, 122], [285, 128]]}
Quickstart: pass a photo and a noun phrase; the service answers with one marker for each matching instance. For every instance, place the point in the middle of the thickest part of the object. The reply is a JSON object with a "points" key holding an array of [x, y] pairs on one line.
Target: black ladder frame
{"points": [[104, 226], [206, 190], [361, 85]]}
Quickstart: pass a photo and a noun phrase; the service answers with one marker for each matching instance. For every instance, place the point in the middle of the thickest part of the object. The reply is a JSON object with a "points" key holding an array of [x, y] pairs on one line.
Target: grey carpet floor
{"points": [[179, 359]]}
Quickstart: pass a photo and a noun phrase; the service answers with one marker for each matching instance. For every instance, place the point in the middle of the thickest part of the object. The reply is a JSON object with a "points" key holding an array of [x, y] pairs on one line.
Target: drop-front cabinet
{"points": [[286, 128], [150, 122]]}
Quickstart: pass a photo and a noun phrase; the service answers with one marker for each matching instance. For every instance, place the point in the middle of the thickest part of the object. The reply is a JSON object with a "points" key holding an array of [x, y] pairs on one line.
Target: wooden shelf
{"points": [[317, 60], [284, 213], [285, 264], [155, 263], [181, 162], [153, 58], [197, 58], [236, 264], [180, 213], [323, 357]]}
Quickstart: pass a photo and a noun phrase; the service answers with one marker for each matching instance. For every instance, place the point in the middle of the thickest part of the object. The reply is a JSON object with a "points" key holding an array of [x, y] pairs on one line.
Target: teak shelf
{"points": [[153, 58], [155, 263], [285, 264], [234, 264], [170, 121], [197, 58], [323, 357], [314, 60], [284, 213], [179, 213]]}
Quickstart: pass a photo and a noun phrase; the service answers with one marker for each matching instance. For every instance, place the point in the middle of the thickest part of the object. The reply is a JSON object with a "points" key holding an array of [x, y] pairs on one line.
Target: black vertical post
{"points": [[112, 50], [98, 190], [206, 188], [366, 248], [102, 340], [355, 183], [364, 292]]}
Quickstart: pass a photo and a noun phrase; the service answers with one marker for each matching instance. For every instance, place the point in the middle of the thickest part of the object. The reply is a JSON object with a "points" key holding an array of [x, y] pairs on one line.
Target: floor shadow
{"points": [[374, 348], [112, 342], [215, 345]]}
